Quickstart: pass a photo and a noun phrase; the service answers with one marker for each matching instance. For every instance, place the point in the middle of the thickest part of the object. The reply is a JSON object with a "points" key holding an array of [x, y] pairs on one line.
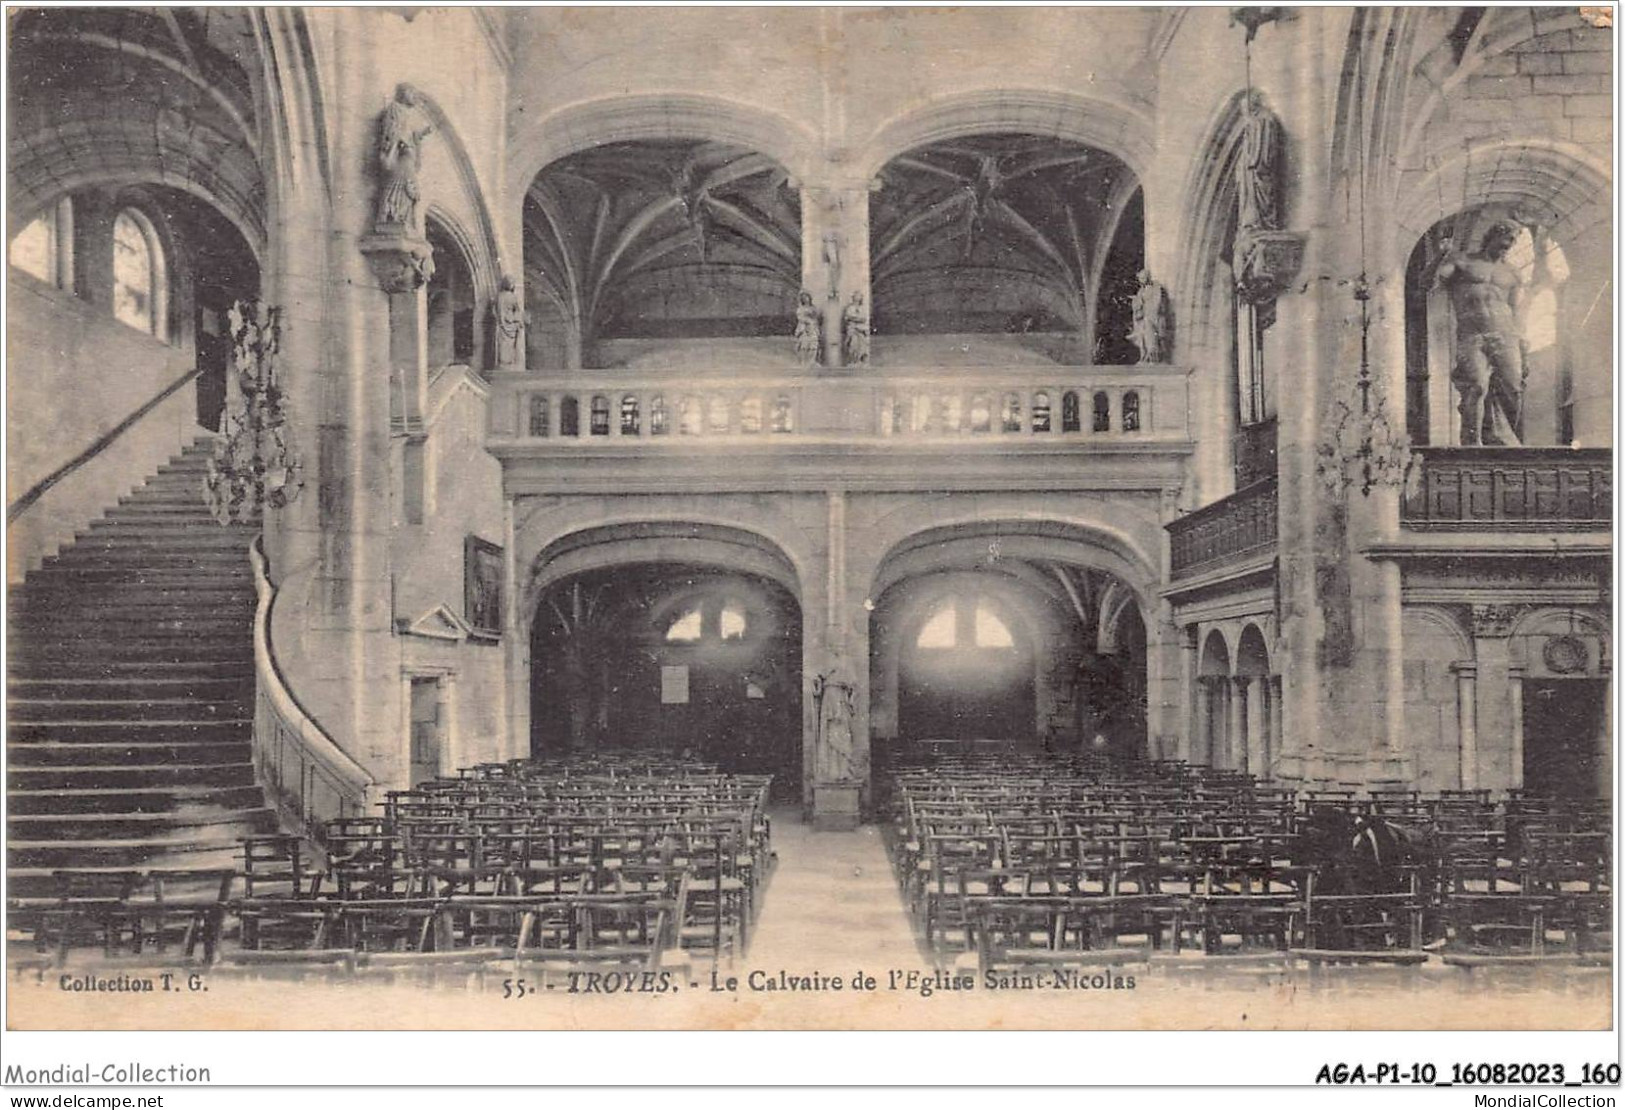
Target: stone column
{"points": [[1499, 699], [1199, 745], [1515, 705], [1191, 720], [402, 263], [1467, 722], [835, 254], [1256, 715], [1235, 723]]}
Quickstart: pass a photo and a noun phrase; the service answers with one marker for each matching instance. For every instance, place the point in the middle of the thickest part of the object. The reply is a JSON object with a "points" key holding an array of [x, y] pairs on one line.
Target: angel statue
{"points": [[401, 130]]}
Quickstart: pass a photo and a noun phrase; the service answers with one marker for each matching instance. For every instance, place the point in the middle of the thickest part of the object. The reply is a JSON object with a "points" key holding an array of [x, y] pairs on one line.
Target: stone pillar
{"points": [[1200, 742], [1515, 707], [1499, 715], [1191, 720], [1235, 723], [1467, 722], [1256, 715], [835, 254], [1165, 681], [1275, 739]]}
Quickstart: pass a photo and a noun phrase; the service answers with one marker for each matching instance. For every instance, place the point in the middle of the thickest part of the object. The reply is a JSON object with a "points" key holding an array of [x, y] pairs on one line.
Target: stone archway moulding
{"points": [[1116, 125], [592, 123]]}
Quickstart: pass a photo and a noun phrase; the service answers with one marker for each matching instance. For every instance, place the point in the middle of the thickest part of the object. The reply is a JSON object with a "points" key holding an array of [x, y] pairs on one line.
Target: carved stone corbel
{"points": [[1267, 264], [401, 263]]}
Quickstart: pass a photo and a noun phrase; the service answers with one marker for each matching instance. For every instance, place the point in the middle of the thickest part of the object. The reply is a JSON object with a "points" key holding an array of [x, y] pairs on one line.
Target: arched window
{"points": [[686, 629], [569, 417], [1103, 413], [658, 422], [600, 415], [44, 247], [140, 280], [630, 424], [965, 622], [540, 415], [1070, 420], [731, 622]]}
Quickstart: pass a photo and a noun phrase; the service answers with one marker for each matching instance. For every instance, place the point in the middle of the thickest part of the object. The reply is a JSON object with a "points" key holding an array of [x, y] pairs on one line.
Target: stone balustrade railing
{"points": [[309, 778], [1078, 403]]}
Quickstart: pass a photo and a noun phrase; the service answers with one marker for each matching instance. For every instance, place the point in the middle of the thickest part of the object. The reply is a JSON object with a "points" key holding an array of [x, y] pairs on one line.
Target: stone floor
{"points": [[832, 901]]}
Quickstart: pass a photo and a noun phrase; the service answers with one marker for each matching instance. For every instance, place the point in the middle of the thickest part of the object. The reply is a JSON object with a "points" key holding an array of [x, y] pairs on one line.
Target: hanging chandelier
{"points": [[256, 465]]}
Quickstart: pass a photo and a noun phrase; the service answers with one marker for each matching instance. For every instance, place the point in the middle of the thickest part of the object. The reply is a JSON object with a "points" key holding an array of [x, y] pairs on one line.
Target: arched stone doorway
{"points": [[1008, 635], [668, 637]]}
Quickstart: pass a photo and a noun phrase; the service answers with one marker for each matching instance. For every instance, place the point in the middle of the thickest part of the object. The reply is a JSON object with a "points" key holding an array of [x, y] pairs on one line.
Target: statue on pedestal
{"points": [[855, 332], [510, 327], [835, 695], [1153, 333], [1489, 370], [808, 325], [402, 127]]}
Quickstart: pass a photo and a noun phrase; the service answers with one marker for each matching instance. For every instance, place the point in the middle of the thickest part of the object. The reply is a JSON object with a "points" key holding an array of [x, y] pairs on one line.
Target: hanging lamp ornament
{"points": [[1362, 448], [256, 465]]}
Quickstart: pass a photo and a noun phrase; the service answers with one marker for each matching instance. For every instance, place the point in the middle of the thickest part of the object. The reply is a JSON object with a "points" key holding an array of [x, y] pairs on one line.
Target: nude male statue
{"points": [[1485, 293]]}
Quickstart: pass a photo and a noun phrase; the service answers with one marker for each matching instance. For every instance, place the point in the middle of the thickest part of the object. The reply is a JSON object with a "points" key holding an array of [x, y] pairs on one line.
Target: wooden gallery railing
{"points": [[1233, 530], [1471, 489], [309, 777]]}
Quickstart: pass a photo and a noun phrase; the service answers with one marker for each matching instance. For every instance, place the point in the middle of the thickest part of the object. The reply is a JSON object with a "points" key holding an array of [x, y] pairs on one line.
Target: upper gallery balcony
{"points": [[893, 426], [1511, 490]]}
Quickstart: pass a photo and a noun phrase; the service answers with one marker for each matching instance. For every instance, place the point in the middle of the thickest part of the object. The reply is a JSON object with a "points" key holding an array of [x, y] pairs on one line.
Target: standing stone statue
{"points": [[1258, 171], [836, 696], [1153, 331], [402, 127], [855, 332], [808, 326], [1489, 370], [510, 327]]}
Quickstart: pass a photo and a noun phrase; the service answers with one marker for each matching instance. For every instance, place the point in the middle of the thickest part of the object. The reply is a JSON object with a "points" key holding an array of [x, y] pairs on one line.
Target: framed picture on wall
{"points": [[482, 588]]}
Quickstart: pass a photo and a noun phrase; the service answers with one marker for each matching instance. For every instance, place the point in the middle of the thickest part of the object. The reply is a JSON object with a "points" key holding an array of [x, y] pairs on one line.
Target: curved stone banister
{"points": [[310, 777]]}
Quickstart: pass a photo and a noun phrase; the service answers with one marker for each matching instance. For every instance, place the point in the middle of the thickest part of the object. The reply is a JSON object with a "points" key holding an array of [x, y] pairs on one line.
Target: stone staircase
{"points": [[131, 692]]}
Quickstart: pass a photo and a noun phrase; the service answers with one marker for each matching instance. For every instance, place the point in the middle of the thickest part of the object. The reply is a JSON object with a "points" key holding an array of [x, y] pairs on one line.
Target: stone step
{"points": [[124, 778], [156, 800], [117, 825], [119, 670], [139, 709], [139, 852], [118, 690], [146, 753], [21, 734]]}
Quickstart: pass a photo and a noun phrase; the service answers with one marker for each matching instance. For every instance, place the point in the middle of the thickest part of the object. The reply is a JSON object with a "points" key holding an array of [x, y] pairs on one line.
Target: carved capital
{"points": [[1267, 263], [401, 263], [1492, 621]]}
